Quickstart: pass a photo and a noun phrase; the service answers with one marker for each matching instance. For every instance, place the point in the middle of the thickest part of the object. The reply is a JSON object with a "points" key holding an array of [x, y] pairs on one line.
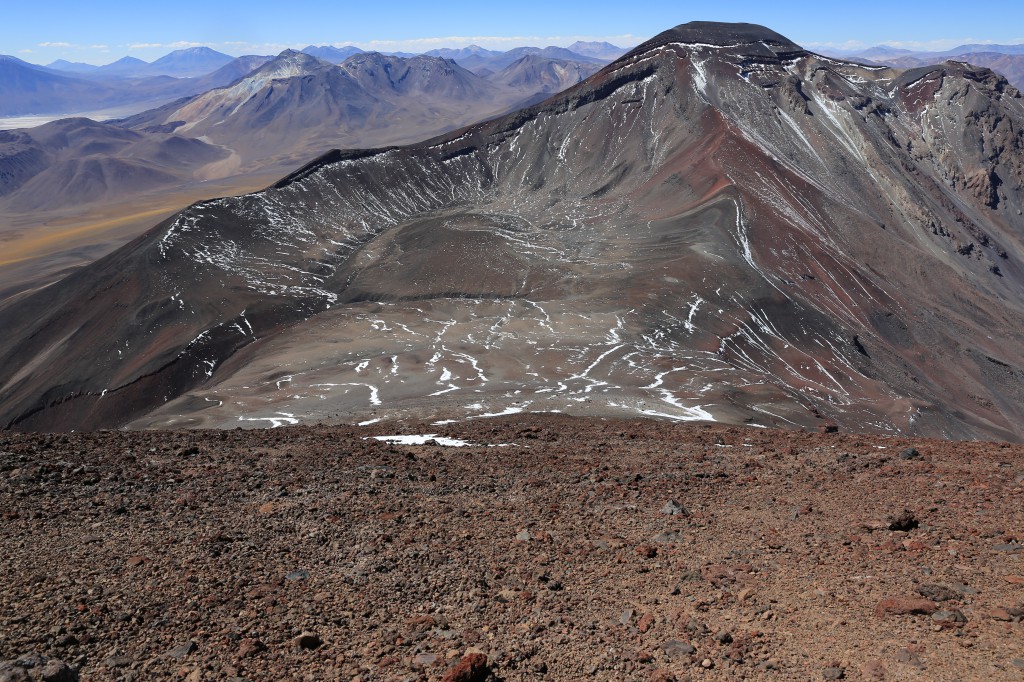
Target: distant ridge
{"points": [[335, 55]]}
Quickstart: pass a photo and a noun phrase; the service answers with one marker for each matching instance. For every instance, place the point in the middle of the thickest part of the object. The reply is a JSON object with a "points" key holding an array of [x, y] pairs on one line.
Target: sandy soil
{"points": [[549, 548]]}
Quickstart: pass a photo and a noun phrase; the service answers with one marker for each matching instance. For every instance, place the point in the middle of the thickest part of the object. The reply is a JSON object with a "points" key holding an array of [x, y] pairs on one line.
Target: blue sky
{"points": [[102, 32]]}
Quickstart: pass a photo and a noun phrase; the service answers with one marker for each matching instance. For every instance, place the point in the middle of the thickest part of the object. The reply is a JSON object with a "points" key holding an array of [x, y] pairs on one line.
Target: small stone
{"points": [[296, 576], [647, 551], [1018, 663], [910, 453], [833, 673], [424, 660], [540, 667], [1001, 614], [724, 637], [646, 622], [675, 648], [57, 671], [136, 560], [182, 650], [308, 640], [904, 606], [707, 664], [937, 592], [950, 618], [249, 647], [903, 521], [1009, 547], [907, 656], [116, 662], [523, 536], [472, 668], [673, 508]]}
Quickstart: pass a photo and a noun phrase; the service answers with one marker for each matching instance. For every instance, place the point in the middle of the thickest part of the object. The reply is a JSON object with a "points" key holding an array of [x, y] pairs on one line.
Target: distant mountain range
{"points": [[77, 160], [329, 53], [1006, 60], [484, 62], [296, 105], [186, 63], [31, 89], [63, 87], [888, 51]]}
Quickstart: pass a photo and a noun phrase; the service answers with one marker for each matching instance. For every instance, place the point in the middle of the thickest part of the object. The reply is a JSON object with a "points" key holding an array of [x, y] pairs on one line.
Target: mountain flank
{"points": [[718, 226]]}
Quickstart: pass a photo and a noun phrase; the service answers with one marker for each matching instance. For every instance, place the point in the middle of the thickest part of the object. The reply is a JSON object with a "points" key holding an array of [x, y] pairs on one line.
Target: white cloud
{"points": [[55, 45], [143, 46], [24, 51], [184, 43], [100, 47]]}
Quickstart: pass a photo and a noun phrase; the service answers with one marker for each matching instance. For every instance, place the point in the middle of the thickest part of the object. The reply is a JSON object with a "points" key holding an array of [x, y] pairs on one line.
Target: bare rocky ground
{"points": [[569, 549]]}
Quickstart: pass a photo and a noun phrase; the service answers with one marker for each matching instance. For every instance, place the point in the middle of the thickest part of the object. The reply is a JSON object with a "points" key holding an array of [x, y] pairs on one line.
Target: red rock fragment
{"points": [[249, 647], [1000, 614], [905, 606], [472, 668], [647, 551]]}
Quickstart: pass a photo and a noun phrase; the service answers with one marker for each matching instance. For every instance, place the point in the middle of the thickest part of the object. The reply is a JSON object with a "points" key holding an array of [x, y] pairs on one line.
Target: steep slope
{"points": [[720, 225]]}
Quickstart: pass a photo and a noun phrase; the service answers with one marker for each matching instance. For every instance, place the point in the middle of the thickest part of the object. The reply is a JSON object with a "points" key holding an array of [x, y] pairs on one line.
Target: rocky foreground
{"points": [[550, 548]]}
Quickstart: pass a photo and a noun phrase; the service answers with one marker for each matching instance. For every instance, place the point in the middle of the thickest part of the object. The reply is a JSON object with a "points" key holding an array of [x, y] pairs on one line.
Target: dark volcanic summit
{"points": [[719, 226], [743, 38]]}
